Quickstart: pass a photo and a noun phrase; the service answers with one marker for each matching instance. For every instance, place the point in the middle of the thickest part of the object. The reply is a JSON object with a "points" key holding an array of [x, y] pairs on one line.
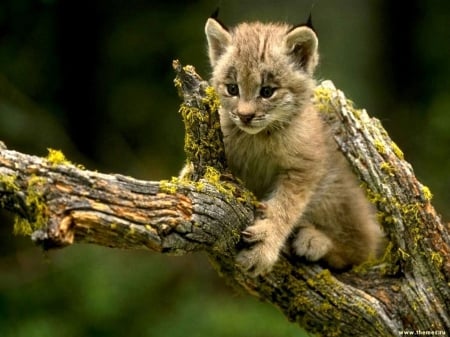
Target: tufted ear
{"points": [[218, 40], [301, 43]]}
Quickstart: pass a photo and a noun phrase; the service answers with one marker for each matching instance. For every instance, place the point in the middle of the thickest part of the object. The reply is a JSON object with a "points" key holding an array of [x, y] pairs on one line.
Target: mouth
{"points": [[252, 127]]}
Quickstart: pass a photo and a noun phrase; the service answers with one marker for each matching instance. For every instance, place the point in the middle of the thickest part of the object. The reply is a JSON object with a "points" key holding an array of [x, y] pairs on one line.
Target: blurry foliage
{"points": [[121, 293], [94, 79]]}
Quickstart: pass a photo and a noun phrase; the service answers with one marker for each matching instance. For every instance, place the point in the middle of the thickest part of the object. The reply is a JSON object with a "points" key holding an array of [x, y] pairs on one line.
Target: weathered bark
{"points": [[60, 204]]}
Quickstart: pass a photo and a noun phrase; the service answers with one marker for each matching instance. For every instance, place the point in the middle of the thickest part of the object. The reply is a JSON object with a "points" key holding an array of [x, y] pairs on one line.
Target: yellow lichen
{"points": [[427, 193], [212, 175], [22, 227], [322, 99], [379, 146], [387, 168], [437, 258], [211, 99], [410, 211], [373, 196], [397, 151], [56, 157], [169, 187], [404, 254]]}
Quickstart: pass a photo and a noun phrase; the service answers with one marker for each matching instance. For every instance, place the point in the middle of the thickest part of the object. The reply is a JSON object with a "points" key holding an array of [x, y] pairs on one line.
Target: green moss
{"points": [[56, 157], [393, 212], [173, 185], [403, 254], [410, 212], [437, 259], [9, 182], [213, 177], [389, 259], [190, 147], [228, 189], [22, 227], [37, 216], [331, 304], [386, 264], [209, 145], [169, 186], [37, 212], [9, 185]]}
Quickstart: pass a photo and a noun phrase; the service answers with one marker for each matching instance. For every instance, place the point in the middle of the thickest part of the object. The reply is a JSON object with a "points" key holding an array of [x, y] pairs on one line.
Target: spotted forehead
{"points": [[255, 41]]}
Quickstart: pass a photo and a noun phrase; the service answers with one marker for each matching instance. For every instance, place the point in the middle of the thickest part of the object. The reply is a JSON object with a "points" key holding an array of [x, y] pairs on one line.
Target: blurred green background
{"points": [[94, 79]]}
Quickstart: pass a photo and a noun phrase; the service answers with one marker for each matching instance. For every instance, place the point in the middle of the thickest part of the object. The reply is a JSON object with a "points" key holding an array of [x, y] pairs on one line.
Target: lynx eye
{"points": [[266, 92], [233, 89]]}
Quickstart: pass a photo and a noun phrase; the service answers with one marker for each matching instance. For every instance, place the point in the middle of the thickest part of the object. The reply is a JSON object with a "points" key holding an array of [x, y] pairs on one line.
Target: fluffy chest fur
{"points": [[253, 159], [299, 148]]}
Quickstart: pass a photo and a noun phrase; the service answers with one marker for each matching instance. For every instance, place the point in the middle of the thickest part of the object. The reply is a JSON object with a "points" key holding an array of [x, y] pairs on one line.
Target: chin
{"points": [[251, 130]]}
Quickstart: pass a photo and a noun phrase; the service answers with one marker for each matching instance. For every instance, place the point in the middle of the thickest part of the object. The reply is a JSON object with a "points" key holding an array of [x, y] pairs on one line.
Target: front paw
{"points": [[262, 255], [312, 244]]}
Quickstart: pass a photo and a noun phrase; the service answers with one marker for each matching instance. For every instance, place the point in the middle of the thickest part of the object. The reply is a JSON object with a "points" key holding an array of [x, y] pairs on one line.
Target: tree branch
{"points": [[59, 203]]}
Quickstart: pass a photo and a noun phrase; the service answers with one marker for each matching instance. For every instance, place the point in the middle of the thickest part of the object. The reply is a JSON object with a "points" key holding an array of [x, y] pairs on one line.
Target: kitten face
{"points": [[255, 97], [262, 72]]}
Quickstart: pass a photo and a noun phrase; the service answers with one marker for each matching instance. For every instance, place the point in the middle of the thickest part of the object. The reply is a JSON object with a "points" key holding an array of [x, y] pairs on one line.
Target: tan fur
{"points": [[283, 151]]}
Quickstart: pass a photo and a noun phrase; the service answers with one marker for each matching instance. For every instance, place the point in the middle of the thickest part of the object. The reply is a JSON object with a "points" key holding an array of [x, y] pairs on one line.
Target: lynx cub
{"points": [[276, 142]]}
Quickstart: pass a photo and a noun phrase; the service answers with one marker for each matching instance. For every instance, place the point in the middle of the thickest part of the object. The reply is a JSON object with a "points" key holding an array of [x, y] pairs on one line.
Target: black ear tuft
{"points": [[309, 22], [215, 14]]}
